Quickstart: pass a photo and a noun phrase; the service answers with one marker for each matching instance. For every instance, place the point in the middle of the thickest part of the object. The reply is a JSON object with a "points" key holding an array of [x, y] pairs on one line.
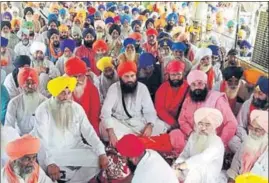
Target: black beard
{"points": [[175, 83], [64, 37], [129, 87], [198, 95], [169, 27], [88, 44], [110, 76], [131, 166], [137, 48], [56, 44], [78, 42], [260, 104]]}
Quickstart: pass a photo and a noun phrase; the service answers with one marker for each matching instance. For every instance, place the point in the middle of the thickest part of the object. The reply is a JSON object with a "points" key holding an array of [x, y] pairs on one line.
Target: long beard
{"points": [[130, 56], [260, 104], [79, 90], [62, 113], [201, 142], [198, 95], [129, 87], [99, 35], [24, 173], [254, 144], [205, 68], [31, 102], [231, 93], [38, 63]]}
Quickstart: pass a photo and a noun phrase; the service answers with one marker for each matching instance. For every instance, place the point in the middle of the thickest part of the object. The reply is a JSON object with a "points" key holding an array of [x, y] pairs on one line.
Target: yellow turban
{"points": [[252, 75], [82, 14], [109, 14], [209, 26], [63, 28], [104, 63], [54, 6], [72, 10], [57, 85], [160, 23], [242, 34], [250, 178]]}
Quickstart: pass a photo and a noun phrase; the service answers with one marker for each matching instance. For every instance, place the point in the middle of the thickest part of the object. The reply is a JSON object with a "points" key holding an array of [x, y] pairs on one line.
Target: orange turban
{"points": [[175, 66], [100, 44], [63, 28], [74, 66], [151, 32], [160, 23], [27, 73], [142, 18], [136, 36], [15, 22], [25, 145], [125, 67], [252, 75]]}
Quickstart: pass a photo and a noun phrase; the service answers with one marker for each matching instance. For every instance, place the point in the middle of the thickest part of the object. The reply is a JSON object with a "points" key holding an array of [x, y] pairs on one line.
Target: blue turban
{"points": [[7, 14], [109, 20], [145, 60], [163, 35], [68, 43], [101, 6], [172, 16], [62, 11], [91, 17], [87, 31], [135, 9], [87, 61], [4, 42], [214, 49], [230, 23], [179, 46], [263, 84], [120, 6], [22, 60], [126, 7], [138, 22], [245, 43], [53, 18], [124, 18], [128, 41], [166, 42], [110, 6], [97, 14]]}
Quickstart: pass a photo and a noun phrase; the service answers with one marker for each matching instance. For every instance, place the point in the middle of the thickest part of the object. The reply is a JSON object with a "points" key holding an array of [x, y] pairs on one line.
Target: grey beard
{"points": [[38, 63], [21, 172]]}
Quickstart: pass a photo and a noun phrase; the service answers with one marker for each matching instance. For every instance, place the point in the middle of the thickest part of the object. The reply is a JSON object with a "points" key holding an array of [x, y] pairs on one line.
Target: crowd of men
{"points": [[121, 93]]}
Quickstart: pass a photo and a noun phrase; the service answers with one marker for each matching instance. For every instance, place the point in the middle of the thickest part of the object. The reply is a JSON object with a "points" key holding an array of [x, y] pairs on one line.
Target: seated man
{"points": [[22, 166], [260, 101], [149, 73], [252, 156], [128, 108], [21, 109], [7, 56], [199, 96], [171, 94], [61, 124], [151, 46], [129, 53], [147, 166], [202, 157]]}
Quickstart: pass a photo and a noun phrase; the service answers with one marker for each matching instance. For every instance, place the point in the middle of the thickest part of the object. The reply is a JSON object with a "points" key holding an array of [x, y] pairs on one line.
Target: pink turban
{"points": [[261, 118], [183, 36], [214, 116], [196, 75], [99, 23]]}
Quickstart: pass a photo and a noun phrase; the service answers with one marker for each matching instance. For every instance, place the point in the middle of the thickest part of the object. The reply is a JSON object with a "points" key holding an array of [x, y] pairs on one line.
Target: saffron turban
{"points": [[230, 72], [145, 60], [25, 145], [128, 41], [15, 22], [213, 115], [202, 52], [22, 60], [175, 66], [103, 63], [252, 75], [178, 46], [196, 75], [4, 42], [59, 84], [151, 32], [37, 46], [25, 74], [261, 117], [183, 36], [130, 146], [99, 23], [160, 23], [125, 67], [100, 45], [74, 66], [68, 43], [263, 83], [182, 19], [63, 28], [136, 36]]}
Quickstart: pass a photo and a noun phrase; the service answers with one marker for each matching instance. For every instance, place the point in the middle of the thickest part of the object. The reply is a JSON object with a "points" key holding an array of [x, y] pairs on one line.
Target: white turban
{"points": [[202, 52], [261, 117], [37, 46], [24, 31], [99, 23], [213, 115], [154, 14]]}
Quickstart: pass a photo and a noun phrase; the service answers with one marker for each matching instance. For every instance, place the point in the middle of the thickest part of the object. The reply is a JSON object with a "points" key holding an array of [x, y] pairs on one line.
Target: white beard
{"points": [[99, 35], [201, 142], [130, 56], [231, 94], [205, 68], [31, 102], [62, 113], [252, 144], [79, 90], [38, 63]]}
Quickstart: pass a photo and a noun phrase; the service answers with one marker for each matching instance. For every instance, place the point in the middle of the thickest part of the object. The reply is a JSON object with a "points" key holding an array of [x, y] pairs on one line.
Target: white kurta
{"points": [[42, 178], [63, 147], [152, 168], [204, 167], [104, 85], [60, 64], [140, 107], [20, 49], [11, 87], [16, 116]]}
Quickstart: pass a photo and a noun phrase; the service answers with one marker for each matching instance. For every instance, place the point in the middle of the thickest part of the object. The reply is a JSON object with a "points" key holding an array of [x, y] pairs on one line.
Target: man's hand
{"points": [[230, 180], [54, 172], [147, 130], [103, 161], [182, 166], [112, 137]]}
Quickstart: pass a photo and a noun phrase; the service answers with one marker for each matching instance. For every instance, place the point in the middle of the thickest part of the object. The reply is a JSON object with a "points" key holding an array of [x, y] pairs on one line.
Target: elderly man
{"points": [[53, 52], [151, 46], [129, 53], [22, 166], [200, 96], [86, 50], [6, 33], [100, 26], [61, 124], [126, 29], [108, 77], [202, 157], [136, 26], [11, 81], [252, 155], [128, 108], [7, 56], [114, 40], [233, 86], [149, 73], [76, 34], [21, 109], [231, 59], [171, 94], [46, 69], [259, 100], [23, 47], [85, 93], [204, 63], [149, 166]]}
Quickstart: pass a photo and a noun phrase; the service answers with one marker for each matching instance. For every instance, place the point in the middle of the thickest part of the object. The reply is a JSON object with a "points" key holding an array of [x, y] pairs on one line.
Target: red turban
{"points": [[27, 73], [175, 66], [136, 36], [25, 145], [100, 44], [117, 19], [91, 10], [125, 67], [74, 66], [151, 32], [130, 146]]}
